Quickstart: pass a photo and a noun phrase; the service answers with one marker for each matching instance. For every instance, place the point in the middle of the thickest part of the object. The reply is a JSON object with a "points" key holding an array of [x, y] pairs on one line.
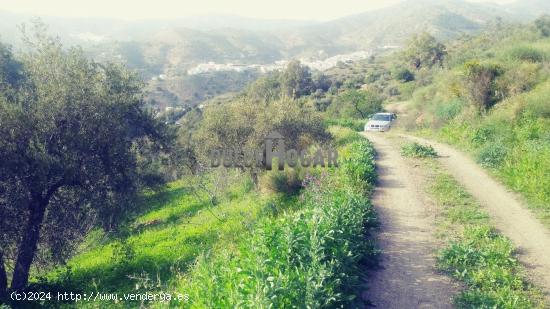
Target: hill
{"points": [[160, 45], [172, 47], [183, 47]]}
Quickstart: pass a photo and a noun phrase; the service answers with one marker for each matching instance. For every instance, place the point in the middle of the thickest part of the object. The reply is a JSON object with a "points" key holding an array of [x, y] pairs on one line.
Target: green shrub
{"points": [[321, 104], [358, 166], [449, 110], [403, 74], [482, 135], [520, 78], [417, 150], [343, 136], [526, 53], [406, 90], [354, 124], [542, 24], [479, 83], [537, 102], [492, 154], [288, 181]]}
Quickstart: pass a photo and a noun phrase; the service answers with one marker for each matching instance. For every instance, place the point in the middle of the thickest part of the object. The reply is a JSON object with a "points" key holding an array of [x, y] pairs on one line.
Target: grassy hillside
{"points": [[169, 229], [192, 89], [491, 99], [308, 258], [395, 24], [253, 244]]}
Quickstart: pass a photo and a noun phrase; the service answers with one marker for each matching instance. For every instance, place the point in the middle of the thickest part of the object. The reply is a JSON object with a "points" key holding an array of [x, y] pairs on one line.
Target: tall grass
{"points": [[343, 136], [416, 150], [354, 124], [306, 259]]}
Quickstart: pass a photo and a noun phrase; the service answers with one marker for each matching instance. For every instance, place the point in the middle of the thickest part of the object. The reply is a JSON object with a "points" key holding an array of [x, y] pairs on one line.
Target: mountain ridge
{"points": [[154, 47]]}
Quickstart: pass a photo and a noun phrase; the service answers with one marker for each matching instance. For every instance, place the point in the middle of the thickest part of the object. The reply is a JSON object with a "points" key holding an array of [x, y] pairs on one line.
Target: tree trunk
{"points": [[3, 277], [359, 110], [28, 244], [255, 179]]}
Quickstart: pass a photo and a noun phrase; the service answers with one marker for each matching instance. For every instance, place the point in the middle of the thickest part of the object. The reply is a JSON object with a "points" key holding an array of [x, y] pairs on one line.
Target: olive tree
{"points": [[542, 25], [243, 125], [292, 82], [296, 80], [71, 137], [480, 83], [424, 51], [355, 104]]}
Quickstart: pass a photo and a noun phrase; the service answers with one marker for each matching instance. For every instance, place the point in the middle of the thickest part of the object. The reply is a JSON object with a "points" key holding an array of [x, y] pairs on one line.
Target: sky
{"points": [[145, 9]]}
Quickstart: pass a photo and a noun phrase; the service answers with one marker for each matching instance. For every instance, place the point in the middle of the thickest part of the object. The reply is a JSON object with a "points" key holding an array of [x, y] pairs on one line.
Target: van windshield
{"points": [[381, 117]]}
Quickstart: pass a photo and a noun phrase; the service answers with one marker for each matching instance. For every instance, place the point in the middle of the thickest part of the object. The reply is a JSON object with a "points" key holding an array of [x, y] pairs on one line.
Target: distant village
{"points": [[320, 65]]}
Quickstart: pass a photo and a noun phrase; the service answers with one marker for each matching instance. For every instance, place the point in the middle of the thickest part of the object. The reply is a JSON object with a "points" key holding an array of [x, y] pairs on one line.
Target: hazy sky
{"points": [[138, 9]]}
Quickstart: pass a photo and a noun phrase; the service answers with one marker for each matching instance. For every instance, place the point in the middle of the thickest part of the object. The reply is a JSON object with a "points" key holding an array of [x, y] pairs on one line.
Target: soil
{"points": [[407, 276]]}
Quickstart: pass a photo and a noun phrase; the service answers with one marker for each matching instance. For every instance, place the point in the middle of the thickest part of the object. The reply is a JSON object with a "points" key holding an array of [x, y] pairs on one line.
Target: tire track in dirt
{"points": [[507, 212], [407, 277]]}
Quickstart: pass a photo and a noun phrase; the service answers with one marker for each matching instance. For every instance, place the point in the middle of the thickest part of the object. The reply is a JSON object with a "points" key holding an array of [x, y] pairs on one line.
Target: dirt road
{"points": [[407, 277], [508, 214]]}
